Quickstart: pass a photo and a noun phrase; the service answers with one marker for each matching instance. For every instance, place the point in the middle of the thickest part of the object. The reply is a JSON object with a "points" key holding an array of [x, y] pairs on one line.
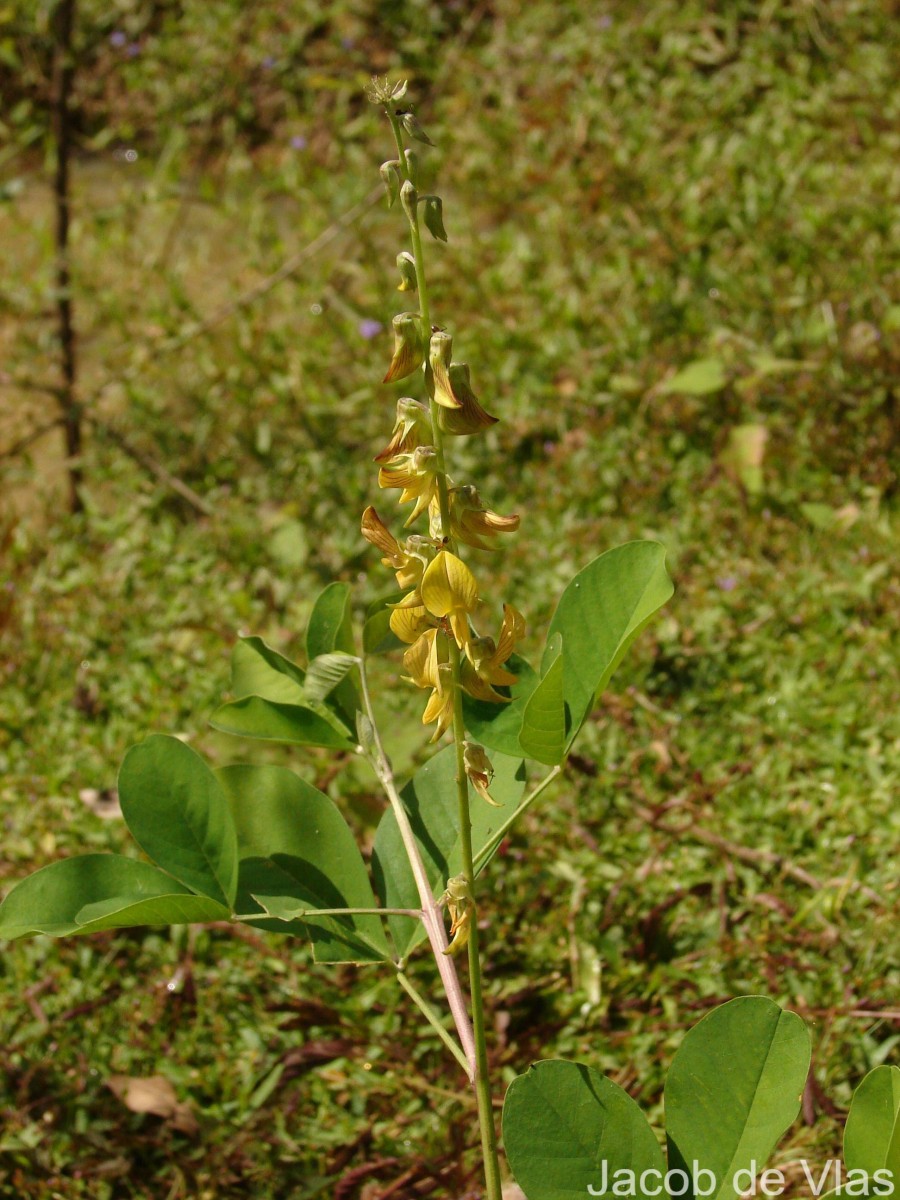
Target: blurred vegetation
{"points": [[673, 267]]}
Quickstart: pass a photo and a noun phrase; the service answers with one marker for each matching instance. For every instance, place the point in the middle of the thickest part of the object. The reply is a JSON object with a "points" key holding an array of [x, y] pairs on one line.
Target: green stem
{"points": [[486, 851], [480, 1080], [432, 1018]]}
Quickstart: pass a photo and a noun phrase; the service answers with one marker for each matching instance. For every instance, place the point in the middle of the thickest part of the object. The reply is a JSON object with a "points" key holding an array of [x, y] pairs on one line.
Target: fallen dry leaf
{"points": [[156, 1096]]}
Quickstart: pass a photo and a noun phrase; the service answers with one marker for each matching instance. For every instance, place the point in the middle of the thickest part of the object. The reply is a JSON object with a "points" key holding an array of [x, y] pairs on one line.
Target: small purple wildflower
{"points": [[133, 50], [118, 38], [727, 583], [605, 21], [268, 62], [369, 328], [298, 142]]}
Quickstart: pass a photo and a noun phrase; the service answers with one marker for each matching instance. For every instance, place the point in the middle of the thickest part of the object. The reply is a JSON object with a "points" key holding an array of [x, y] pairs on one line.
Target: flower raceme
{"points": [[441, 591]]}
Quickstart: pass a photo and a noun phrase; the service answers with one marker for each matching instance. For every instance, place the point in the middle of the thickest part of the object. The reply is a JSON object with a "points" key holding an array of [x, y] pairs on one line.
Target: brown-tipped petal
{"points": [[440, 349], [412, 428], [477, 687], [439, 708], [470, 417], [409, 347], [375, 531]]}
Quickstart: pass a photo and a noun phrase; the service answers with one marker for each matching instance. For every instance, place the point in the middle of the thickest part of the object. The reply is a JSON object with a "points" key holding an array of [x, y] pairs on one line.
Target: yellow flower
{"points": [[483, 670], [448, 590], [408, 623], [471, 522], [415, 474], [412, 429], [469, 416], [426, 663]]}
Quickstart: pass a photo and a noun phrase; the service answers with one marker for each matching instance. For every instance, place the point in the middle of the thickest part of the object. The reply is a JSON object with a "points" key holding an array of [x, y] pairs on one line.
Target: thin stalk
{"points": [[480, 1079], [432, 1018], [432, 918], [499, 834], [416, 913]]}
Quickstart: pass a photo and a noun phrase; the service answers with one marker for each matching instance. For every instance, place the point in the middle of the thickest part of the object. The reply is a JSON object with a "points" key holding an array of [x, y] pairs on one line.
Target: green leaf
{"points": [[296, 850], [100, 891], [497, 726], [599, 615], [872, 1132], [298, 725], [325, 672], [258, 670], [565, 1125], [178, 815], [543, 733], [330, 629], [699, 378], [433, 215], [431, 801], [733, 1089]]}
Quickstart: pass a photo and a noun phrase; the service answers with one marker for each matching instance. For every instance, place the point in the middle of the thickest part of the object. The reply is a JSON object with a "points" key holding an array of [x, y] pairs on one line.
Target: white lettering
{"points": [[817, 1186], [771, 1182], [601, 1191], [883, 1180], [646, 1190], [748, 1173]]}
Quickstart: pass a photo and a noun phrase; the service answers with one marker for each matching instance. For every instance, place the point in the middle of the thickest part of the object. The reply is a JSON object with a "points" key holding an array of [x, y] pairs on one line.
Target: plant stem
{"points": [[499, 834], [432, 1018], [432, 917], [480, 1079]]}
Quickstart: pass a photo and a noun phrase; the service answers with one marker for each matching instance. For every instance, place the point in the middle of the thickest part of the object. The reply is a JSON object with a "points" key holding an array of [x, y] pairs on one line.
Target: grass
{"points": [[626, 193]]}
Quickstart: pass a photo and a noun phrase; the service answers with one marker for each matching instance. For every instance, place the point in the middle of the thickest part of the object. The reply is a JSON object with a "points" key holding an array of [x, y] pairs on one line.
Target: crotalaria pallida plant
{"points": [[260, 845]]}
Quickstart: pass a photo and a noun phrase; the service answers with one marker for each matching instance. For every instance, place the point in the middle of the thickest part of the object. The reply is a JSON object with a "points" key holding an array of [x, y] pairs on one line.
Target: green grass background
{"points": [[630, 189]]}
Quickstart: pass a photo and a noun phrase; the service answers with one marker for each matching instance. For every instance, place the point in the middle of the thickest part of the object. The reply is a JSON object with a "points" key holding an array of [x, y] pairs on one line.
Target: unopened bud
{"points": [[434, 217], [440, 349], [409, 198], [409, 347], [410, 123], [412, 165], [390, 177], [406, 265]]}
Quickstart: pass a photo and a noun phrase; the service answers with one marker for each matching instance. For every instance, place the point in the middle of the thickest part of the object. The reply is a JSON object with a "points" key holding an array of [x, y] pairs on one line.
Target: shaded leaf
{"points": [[299, 725], [296, 849], [497, 726], [330, 629], [325, 672]]}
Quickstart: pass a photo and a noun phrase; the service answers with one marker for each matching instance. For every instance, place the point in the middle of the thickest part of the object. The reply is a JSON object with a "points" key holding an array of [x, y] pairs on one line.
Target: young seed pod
{"points": [[433, 212], [406, 265], [409, 198], [411, 124], [390, 177]]}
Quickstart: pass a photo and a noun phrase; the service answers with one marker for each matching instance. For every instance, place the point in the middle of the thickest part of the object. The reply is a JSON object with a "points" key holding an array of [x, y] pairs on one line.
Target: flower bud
{"points": [[411, 124], [412, 165], [433, 212], [409, 198], [390, 177], [440, 350], [412, 428], [406, 265], [479, 770], [409, 347]]}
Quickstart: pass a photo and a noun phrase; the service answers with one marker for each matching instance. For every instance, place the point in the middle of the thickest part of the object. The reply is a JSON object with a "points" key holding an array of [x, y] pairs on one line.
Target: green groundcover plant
{"points": [[260, 845]]}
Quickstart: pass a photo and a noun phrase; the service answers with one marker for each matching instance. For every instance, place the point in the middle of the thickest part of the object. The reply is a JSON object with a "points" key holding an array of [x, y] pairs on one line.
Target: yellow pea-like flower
{"points": [[448, 589]]}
